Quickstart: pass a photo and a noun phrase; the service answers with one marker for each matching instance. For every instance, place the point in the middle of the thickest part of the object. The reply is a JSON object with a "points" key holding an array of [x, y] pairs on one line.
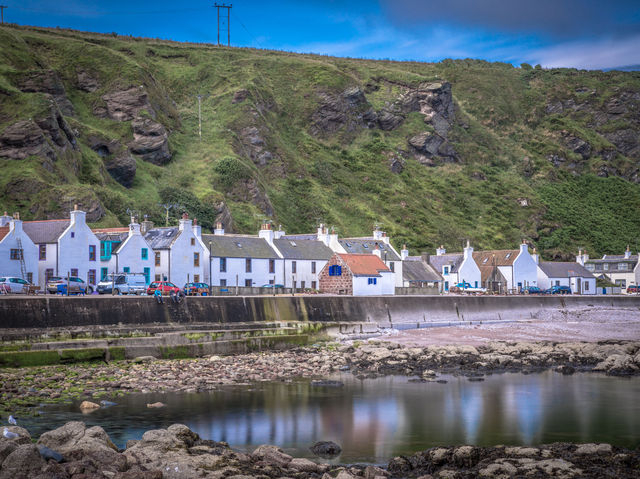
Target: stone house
{"points": [[65, 247], [357, 275], [125, 250], [574, 275], [18, 254]]}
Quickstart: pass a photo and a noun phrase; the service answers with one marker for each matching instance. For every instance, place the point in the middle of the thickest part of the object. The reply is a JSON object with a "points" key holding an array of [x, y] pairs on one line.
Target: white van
{"points": [[123, 283]]}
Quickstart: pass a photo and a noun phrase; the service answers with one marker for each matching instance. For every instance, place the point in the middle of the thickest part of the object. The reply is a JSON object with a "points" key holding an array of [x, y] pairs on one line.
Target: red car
{"points": [[165, 287], [633, 288]]}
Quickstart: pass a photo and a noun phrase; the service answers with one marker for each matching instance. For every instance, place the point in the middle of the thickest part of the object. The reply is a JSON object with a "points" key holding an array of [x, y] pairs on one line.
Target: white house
{"points": [[574, 275], [517, 268], [242, 260], [125, 250], [456, 268], [621, 269], [179, 254], [357, 275], [18, 254], [65, 247]]}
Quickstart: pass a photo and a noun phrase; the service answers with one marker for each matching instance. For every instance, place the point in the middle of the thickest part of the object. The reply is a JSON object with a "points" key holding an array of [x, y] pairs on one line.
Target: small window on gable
{"points": [[193, 241], [73, 234], [335, 270]]}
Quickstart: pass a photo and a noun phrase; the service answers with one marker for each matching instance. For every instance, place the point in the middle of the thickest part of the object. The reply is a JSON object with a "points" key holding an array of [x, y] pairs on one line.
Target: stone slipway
{"points": [[61, 312]]}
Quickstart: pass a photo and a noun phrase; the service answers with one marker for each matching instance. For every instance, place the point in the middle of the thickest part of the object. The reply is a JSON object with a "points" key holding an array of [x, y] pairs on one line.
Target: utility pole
{"points": [[228, 7], [199, 117], [2, 7]]}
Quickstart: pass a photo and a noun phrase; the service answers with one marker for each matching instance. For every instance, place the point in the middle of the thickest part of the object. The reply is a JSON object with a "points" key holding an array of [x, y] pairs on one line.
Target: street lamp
{"points": [[210, 277]]}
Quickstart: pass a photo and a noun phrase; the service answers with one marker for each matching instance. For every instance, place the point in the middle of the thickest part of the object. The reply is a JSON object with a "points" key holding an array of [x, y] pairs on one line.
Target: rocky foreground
{"points": [[74, 451], [26, 387]]}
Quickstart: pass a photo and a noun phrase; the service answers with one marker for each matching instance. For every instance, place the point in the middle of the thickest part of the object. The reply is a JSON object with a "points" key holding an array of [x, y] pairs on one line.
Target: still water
{"points": [[375, 419]]}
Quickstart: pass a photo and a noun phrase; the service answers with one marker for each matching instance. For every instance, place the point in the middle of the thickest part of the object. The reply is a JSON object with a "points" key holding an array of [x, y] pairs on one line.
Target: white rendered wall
{"points": [[9, 267], [525, 269], [507, 272], [74, 245], [130, 255], [236, 271], [182, 268], [303, 272], [469, 272]]}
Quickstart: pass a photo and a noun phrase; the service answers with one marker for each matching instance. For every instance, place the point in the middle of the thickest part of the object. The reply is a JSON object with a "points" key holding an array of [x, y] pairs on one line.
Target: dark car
{"points": [[196, 289], [165, 287], [558, 290], [532, 290]]}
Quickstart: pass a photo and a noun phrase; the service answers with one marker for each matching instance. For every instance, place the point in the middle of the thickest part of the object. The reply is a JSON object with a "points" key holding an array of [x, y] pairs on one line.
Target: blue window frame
{"points": [[373, 280], [147, 275], [145, 253], [126, 269], [103, 273], [335, 270]]}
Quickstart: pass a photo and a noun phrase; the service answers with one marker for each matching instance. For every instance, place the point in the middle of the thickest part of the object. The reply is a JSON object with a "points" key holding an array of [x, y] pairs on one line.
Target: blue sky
{"points": [[555, 33]]}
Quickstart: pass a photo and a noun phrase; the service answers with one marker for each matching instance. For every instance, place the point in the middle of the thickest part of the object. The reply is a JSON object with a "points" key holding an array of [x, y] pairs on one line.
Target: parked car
{"points": [[14, 285], [196, 289], [532, 290], [123, 283], [165, 287], [558, 290], [633, 289], [272, 286], [75, 285]]}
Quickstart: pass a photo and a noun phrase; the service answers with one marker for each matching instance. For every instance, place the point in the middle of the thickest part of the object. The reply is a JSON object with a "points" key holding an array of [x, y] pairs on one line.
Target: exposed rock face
{"points": [[435, 102], [86, 81], [240, 96], [389, 120], [24, 139], [90, 204], [347, 111], [432, 146], [253, 146], [47, 82], [224, 217], [117, 159], [124, 105], [249, 190], [577, 145], [150, 141]]}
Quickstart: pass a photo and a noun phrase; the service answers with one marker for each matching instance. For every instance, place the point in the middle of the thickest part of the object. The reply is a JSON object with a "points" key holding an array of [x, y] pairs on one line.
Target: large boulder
{"points": [[24, 462], [272, 455], [326, 449], [74, 438], [150, 141]]}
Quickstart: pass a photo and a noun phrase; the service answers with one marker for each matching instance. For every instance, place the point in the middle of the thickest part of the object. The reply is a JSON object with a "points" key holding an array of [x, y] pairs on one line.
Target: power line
{"points": [[246, 30], [228, 7], [77, 13]]}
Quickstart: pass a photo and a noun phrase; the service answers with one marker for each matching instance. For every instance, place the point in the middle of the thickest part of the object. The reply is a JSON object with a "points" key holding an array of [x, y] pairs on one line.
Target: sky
{"points": [[585, 34]]}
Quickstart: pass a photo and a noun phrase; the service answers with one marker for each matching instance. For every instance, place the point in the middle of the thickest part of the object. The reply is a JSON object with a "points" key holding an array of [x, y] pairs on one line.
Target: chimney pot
{"points": [[185, 216], [75, 207]]}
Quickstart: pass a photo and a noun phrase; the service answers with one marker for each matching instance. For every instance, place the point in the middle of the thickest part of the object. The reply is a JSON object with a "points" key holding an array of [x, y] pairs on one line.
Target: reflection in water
{"points": [[376, 419]]}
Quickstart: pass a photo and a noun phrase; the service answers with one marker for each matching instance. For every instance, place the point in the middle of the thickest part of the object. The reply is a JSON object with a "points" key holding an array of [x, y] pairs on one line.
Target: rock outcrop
{"points": [[117, 159], [86, 81], [253, 146], [23, 139], [48, 82], [346, 111], [124, 105], [150, 141]]}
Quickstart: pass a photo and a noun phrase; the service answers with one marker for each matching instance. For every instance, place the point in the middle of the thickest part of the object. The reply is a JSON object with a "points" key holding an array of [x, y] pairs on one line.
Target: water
{"points": [[376, 419]]}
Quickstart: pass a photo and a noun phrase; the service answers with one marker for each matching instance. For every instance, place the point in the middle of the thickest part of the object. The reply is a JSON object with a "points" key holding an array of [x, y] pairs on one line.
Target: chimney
{"points": [[627, 253], [15, 225], [185, 223], [134, 227], [376, 251], [440, 251], [219, 229], [197, 229], [468, 251], [524, 247], [332, 239], [146, 225], [377, 233], [535, 256], [266, 232], [279, 233], [404, 253], [77, 216], [5, 219]]}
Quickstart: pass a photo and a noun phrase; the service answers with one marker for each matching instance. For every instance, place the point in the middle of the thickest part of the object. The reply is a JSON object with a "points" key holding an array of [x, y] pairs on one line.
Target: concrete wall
{"points": [[52, 311], [417, 291]]}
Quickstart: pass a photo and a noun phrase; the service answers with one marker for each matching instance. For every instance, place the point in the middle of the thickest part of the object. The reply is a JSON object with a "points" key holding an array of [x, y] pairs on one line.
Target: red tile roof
{"points": [[110, 230], [364, 264], [4, 231]]}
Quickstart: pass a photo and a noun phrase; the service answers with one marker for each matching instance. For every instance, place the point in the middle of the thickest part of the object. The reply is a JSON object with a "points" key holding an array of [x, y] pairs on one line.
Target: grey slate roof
{"points": [[414, 269], [46, 231], [162, 238], [311, 236], [366, 246], [111, 236], [454, 259], [303, 249], [239, 246], [615, 258], [555, 269]]}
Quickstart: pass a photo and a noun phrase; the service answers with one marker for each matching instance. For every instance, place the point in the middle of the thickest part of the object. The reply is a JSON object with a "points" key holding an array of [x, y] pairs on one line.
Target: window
{"points": [[103, 273], [519, 285], [16, 254], [445, 270], [247, 282], [158, 277], [392, 266], [623, 266], [223, 265], [590, 266], [157, 254], [73, 235], [223, 282], [335, 270], [557, 283], [313, 267], [373, 280], [92, 252], [48, 274], [196, 259], [272, 281], [30, 277], [144, 253], [272, 266], [74, 271], [42, 252], [302, 284], [247, 265], [446, 285], [193, 241], [91, 277], [605, 266], [313, 285], [294, 267], [586, 285], [196, 278], [126, 269]]}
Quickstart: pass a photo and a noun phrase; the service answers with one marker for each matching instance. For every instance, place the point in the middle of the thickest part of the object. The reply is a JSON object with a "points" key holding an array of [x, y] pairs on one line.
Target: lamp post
{"points": [[210, 277]]}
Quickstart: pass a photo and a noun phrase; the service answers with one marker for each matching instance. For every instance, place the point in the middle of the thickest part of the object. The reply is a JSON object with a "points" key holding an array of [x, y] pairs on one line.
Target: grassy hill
{"points": [[434, 153]]}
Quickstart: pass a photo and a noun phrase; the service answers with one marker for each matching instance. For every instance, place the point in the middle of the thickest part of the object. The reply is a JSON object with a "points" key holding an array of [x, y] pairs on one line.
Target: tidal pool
{"points": [[376, 419]]}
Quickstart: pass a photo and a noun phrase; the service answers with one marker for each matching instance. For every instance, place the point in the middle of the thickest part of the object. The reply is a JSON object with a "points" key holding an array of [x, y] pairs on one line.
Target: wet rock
{"points": [[272, 455], [150, 141], [124, 105], [24, 462], [326, 383], [155, 405], [48, 453], [88, 405], [326, 449]]}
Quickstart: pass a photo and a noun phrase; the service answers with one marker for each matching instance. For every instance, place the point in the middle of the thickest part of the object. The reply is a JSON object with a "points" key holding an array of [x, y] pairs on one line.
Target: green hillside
{"points": [[434, 153]]}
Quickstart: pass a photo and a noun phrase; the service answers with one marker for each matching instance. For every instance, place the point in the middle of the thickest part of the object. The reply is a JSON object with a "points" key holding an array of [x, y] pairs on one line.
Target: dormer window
{"points": [[485, 260], [445, 270], [507, 256]]}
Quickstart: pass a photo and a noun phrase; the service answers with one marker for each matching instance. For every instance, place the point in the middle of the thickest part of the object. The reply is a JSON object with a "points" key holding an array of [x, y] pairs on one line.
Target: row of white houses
{"points": [[38, 250]]}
